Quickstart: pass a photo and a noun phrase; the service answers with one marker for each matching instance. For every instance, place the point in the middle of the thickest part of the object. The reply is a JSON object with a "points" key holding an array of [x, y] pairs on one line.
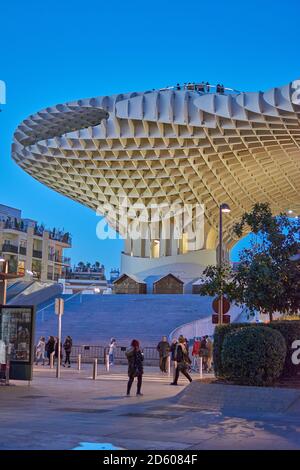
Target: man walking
{"points": [[163, 349]]}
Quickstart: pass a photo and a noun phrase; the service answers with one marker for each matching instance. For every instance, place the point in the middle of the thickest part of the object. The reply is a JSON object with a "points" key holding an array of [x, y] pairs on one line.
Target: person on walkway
{"points": [[172, 351], [173, 348], [209, 345], [183, 361], [50, 348], [40, 350], [56, 351], [195, 353], [163, 349], [204, 352], [135, 359], [68, 349], [111, 352]]}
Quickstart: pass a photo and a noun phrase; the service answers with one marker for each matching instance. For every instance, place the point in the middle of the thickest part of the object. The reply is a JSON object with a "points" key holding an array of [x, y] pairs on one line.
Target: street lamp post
{"points": [[59, 310], [224, 208], [3, 282]]}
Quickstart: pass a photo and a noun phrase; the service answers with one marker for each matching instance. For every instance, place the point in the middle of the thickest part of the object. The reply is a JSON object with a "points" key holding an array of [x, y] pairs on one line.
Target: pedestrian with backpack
{"points": [[68, 349], [182, 359]]}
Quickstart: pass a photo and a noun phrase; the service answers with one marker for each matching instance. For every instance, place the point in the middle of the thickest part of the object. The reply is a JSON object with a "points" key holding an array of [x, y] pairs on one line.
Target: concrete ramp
{"points": [[36, 293]]}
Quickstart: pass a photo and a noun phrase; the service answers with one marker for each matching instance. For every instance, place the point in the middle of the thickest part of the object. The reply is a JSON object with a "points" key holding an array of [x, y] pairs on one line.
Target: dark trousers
{"points": [[139, 383], [163, 364], [67, 359], [184, 372]]}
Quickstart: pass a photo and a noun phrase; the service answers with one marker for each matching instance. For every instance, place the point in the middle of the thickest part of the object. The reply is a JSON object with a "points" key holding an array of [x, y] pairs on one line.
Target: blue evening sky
{"points": [[56, 51]]}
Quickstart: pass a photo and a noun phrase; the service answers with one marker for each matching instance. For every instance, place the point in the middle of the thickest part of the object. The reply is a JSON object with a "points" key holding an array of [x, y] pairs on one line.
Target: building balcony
{"points": [[10, 248], [23, 250], [37, 254], [61, 237], [59, 259], [15, 225]]}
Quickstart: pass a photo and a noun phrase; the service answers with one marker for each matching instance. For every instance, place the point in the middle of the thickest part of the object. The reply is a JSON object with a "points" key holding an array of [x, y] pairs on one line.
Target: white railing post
{"points": [[79, 362], [200, 367], [51, 360], [169, 366], [107, 362], [95, 369]]}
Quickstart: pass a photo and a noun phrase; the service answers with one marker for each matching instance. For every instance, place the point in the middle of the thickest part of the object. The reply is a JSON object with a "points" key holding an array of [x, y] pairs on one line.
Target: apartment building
{"points": [[30, 248]]}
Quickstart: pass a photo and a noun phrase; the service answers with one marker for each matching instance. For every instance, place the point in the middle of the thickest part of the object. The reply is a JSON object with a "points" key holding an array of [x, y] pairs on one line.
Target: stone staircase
{"points": [[94, 319]]}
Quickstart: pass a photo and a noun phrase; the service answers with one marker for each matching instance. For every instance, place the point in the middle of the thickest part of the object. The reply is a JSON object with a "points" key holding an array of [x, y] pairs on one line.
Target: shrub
{"points": [[253, 356], [290, 330], [221, 331]]}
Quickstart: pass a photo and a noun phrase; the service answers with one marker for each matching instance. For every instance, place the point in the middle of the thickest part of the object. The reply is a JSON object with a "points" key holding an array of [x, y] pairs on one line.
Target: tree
{"points": [[267, 278], [219, 281], [81, 265]]}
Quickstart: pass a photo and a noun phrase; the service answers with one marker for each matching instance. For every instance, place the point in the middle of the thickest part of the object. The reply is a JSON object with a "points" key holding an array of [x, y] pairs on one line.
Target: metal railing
{"points": [[37, 254], [23, 250], [59, 259], [202, 88], [9, 248], [88, 353]]}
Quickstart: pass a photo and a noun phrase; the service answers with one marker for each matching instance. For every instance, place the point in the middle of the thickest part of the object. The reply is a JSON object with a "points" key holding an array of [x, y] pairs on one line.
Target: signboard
{"points": [[59, 306], [17, 334], [215, 319], [226, 305]]}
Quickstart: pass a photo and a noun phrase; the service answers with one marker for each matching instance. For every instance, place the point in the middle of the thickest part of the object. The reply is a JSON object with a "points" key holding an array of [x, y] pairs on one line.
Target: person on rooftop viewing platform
{"points": [[218, 88], [201, 87], [207, 87], [222, 89], [178, 86]]}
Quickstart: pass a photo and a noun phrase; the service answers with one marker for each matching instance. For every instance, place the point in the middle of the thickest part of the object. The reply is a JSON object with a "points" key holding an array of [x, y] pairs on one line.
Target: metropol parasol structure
{"points": [[190, 145]]}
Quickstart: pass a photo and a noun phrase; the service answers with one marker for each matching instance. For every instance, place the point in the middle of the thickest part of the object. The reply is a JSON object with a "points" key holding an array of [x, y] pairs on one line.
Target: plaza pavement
{"points": [[62, 414]]}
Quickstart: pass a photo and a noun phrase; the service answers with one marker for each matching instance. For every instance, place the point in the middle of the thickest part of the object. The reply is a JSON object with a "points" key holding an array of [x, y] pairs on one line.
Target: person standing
{"points": [[40, 350], [183, 361], [172, 351], [173, 348], [111, 352], [135, 359], [209, 346], [204, 352], [68, 349], [195, 353], [56, 350], [163, 349], [50, 348]]}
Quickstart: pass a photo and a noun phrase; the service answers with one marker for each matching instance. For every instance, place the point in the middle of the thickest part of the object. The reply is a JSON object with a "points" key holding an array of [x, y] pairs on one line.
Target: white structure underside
{"points": [[188, 267]]}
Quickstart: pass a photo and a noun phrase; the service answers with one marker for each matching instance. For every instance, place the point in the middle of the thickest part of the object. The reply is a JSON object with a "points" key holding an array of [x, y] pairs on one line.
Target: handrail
{"points": [[66, 300], [203, 326]]}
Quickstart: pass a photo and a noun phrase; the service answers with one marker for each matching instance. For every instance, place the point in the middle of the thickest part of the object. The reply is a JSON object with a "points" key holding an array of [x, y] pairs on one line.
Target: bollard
{"points": [[51, 360], [79, 362], [95, 367], [7, 365], [169, 366], [200, 368], [107, 362]]}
